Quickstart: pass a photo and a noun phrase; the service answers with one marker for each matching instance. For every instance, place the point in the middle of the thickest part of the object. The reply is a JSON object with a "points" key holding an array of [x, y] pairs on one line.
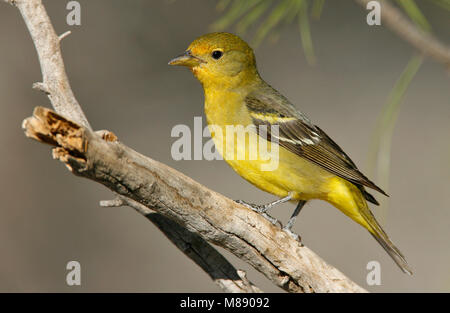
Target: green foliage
{"points": [[380, 147], [317, 8], [412, 10], [248, 13], [281, 10], [237, 9], [272, 14], [252, 17], [305, 32]]}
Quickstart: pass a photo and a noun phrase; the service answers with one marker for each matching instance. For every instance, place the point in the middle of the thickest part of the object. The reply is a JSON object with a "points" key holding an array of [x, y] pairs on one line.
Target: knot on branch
{"points": [[51, 128], [107, 135]]}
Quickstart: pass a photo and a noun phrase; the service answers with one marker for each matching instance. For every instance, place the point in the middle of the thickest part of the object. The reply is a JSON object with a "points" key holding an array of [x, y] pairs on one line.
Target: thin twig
{"points": [[64, 35], [402, 26]]}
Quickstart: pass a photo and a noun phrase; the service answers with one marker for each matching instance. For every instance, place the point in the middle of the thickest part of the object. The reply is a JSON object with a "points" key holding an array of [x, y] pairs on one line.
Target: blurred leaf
{"points": [[252, 16], [414, 13], [284, 12], [305, 32], [380, 147], [296, 6], [317, 8], [238, 8], [272, 20]]}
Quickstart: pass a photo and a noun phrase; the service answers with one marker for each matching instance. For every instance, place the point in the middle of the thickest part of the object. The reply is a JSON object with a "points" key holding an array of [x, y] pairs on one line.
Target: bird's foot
{"points": [[293, 235], [271, 219], [261, 209], [255, 207]]}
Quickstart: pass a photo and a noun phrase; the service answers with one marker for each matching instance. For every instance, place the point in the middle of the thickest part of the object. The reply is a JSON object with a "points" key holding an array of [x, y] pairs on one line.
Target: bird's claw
{"points": [[261, 209], [255, 207], [271, 219], [293, 235]]}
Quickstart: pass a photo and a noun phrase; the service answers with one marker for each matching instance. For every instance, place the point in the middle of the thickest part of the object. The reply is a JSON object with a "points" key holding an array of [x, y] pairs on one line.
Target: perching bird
{"points": [[310, 164]]}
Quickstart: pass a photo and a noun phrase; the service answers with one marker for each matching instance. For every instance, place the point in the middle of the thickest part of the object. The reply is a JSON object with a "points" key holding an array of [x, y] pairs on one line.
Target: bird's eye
{"points": [[216, 54]]}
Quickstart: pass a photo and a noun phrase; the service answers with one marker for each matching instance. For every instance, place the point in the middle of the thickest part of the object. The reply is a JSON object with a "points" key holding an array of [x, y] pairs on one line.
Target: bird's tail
{"points": [[352, 202], [379, 234]]}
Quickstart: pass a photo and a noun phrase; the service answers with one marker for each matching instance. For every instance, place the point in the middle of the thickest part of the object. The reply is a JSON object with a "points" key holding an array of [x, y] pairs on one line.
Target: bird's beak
{"points": [[186, 59]]}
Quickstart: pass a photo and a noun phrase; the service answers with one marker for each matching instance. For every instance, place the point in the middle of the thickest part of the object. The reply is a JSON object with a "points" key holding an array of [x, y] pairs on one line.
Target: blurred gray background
{"points": [[117, 65]]}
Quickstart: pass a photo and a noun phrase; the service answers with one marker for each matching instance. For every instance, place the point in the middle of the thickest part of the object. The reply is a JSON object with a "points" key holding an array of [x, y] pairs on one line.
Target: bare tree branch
{"points": [[217, 219], [144, 183], [402, 26], [55, 82], [56, 85]]}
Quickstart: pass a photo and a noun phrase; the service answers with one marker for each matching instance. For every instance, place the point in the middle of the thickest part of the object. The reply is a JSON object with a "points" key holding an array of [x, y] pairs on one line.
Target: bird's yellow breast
{"points": [[288, 173]]}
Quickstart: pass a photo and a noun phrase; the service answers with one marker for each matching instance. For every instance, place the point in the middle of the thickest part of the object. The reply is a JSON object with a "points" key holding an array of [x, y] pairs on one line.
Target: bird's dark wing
{"points": [[297, 134]]}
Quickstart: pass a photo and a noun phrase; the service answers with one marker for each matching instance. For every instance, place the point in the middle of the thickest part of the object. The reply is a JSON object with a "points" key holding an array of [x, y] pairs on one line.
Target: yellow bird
{"points": [[310, 165]]}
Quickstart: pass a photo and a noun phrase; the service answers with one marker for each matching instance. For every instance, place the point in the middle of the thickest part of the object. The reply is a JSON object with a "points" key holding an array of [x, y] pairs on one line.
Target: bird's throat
{"points": [[224, 107]]}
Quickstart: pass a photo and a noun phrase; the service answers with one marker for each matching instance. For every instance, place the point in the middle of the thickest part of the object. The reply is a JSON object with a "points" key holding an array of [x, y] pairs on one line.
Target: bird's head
{"points": [[219, 60]]}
